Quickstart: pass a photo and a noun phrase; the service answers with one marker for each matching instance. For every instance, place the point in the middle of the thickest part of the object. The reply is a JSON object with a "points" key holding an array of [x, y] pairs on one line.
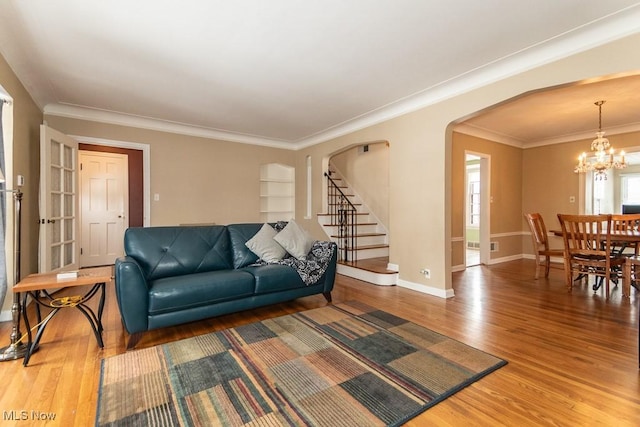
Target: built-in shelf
{"points": [[277, 192]]}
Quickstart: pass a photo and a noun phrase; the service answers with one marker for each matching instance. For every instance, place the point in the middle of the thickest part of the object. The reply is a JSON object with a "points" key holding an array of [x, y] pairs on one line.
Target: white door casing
{"points": [[103, 207], [485, 207], [58, 247]]}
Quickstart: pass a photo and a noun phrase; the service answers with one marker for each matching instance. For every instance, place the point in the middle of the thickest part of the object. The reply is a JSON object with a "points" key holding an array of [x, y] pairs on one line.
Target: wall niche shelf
{"points": [[277, 192]]}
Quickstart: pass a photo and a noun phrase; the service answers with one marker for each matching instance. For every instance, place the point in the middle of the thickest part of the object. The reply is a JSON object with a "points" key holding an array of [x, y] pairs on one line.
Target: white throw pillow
{"points": [[263, 245], [295, 240]]}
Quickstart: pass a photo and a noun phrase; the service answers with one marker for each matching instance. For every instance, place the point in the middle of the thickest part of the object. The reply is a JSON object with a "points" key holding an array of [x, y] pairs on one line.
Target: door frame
{"points": [[123, 217], [485, 207], [146, 166]]}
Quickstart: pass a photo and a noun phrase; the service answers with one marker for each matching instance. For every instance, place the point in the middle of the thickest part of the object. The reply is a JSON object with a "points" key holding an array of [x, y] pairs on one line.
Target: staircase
{"points": [[363, 248]]}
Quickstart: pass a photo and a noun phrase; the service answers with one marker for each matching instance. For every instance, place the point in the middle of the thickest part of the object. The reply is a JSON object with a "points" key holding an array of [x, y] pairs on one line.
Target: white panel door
{"points": [[103, 207], [58, 201]]}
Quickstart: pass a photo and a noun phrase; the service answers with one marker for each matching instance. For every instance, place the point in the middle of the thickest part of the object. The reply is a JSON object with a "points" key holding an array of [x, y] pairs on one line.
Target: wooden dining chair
{"points": [[631, 275], [632, 278], [587, 245], [622, 223], [540, 241]]}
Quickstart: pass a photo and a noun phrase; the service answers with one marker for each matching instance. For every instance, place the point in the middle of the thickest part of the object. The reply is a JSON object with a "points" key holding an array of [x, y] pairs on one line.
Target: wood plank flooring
{"points": [[573, 358]]}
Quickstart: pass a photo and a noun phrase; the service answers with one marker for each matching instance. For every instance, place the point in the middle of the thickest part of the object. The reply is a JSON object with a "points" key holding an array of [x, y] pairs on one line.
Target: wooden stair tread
{"points": [[374, 265], [358, 224], [363, 235], [357, 213], [359, 248]]}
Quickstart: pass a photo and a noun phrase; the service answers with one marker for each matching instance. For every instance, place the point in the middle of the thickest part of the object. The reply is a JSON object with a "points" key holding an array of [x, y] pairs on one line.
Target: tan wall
{"points": [[505, 190], [420, 161], [416, 188], [27, 118], [199, 180], [549, 180], [368, 175]]}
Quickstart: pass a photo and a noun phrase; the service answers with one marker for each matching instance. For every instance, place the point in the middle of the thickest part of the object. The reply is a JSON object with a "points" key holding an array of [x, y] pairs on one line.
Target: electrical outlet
{"points": [[426, 272]]}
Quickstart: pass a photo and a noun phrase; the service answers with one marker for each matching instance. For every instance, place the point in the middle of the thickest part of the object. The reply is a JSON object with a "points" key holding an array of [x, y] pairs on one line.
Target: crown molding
{"points": [[478, 132], [633, 127], [110, 117]]}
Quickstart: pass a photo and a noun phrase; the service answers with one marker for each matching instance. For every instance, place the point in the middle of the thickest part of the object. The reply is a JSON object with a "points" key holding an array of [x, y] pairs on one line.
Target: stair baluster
{"points": [[343, 213]]}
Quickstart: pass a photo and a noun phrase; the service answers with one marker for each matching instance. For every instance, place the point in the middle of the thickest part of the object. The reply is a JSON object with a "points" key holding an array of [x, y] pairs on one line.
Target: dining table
{"points": [[621, 240], [627, 236]]}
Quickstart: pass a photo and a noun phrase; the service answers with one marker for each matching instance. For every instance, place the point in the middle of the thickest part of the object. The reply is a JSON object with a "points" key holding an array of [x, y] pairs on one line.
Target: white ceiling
{"points": [[562, 114], [290, 72]]}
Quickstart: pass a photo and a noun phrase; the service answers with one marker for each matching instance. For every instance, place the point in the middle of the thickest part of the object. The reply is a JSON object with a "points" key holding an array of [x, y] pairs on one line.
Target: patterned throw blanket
{"points": [[312, 268]]}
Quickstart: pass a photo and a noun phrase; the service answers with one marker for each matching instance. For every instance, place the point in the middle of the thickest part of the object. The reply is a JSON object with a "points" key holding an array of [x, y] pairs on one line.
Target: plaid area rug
{"points": [[340, 365]]}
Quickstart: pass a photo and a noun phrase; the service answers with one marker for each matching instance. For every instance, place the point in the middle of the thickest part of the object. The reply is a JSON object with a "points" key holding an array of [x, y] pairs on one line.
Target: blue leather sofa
{"points": [[175, 275]]}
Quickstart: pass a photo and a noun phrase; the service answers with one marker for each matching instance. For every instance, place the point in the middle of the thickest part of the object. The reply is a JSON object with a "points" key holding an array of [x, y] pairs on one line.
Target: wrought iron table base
{"points": [[79, 302]]}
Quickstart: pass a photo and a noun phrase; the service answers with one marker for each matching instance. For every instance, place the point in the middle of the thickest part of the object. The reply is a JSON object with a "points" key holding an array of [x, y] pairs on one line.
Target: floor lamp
{"points": [[16, 349]]}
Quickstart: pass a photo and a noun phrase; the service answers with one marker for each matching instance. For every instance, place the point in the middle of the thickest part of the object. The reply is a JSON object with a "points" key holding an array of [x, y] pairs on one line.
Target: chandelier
{"points": [[603, 154]]}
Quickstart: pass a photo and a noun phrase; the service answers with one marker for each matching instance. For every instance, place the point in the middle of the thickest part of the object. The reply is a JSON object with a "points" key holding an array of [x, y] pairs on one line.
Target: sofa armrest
{"points": [[330, 273], [132, 292]]}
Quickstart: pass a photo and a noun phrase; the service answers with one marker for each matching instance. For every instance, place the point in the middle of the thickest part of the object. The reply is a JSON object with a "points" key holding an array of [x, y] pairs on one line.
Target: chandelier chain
{"points": [[599, 104]]}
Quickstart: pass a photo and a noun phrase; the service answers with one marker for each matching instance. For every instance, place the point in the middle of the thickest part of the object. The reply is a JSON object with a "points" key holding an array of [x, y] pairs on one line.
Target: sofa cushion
{"points": [[174, 251], [263, 245], [295, 240], [239, 234], [274, 278], [182, 292]]}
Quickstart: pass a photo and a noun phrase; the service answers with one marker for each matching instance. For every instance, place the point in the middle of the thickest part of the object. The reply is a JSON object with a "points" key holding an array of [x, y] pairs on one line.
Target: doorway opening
{"points": [[137, 195], [476, 227], [104, 212]]}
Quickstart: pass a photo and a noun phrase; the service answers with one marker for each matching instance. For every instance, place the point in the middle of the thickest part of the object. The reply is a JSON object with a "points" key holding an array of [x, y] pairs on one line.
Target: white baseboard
{"points": [[558, 260], [459, 267], [505, 259], [429, 290], [5, 316], [462, 267]]}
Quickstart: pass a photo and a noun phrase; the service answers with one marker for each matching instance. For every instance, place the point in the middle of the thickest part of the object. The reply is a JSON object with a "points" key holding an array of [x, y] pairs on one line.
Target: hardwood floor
{"points": [[573, 358]]}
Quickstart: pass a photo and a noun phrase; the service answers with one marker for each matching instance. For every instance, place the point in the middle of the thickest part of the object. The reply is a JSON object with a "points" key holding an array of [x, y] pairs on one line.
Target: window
{"points": [[309, 182], [608, 195], [600, 196], [630, 189], [6, 203], [473, 189]]}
